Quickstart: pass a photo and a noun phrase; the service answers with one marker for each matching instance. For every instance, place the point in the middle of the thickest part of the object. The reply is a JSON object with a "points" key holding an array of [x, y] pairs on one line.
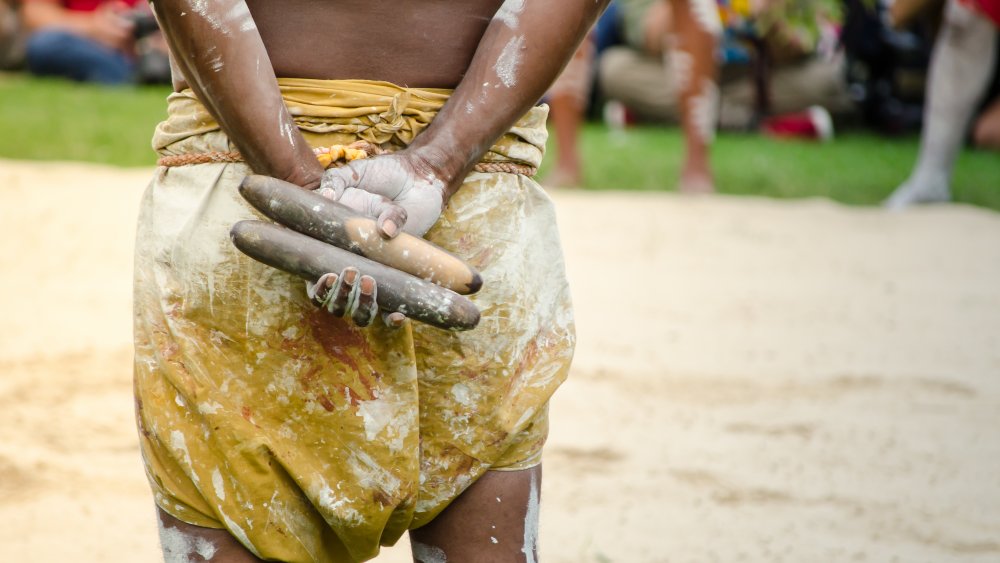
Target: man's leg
{"points": [[568, 98], [52, 52], [184, 543], [987, 132], [691, 62], [963, 57], [494, 520]]}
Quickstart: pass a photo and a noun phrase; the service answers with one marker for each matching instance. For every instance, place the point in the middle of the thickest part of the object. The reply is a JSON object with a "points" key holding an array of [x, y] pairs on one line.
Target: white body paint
{"points": [[706, 13], [179, 547], [679, 66], [216, 63], [202, 9], [531, 523], [510, 59], [423, 553], [509, 13], [239, 17], [704, 109]]}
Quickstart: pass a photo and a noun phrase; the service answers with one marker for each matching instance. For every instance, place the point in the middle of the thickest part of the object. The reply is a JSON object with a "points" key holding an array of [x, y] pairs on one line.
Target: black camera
{"points": [[144, 23]]}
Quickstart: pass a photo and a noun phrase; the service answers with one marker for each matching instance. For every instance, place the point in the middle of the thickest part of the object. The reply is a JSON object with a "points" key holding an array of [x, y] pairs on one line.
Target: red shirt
{"points": [[91, 5], [988, 8]]}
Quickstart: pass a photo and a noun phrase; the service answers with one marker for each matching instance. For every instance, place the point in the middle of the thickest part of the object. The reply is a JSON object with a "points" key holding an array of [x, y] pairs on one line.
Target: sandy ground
{"points": [[756, 380]]}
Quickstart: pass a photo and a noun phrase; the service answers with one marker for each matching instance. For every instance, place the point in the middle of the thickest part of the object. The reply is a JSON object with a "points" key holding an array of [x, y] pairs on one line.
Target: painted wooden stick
{"points": [[314, 215], [309, 259]]}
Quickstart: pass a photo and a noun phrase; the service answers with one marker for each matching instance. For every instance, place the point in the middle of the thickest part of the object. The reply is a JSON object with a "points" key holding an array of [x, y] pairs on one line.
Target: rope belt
{"points": [[335, 156]]}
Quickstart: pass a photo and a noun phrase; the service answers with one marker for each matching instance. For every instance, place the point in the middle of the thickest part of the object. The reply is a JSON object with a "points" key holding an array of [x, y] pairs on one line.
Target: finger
{"points": [[391, 218], [394, 319], [339, 179], [328, 193], [333, 183], [389, 215], [319, 291], [342, 295], [365, 307]]}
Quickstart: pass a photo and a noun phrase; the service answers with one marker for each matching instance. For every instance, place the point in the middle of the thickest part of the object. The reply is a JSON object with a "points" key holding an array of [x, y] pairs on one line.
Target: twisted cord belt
{"points": [[335, 156]]}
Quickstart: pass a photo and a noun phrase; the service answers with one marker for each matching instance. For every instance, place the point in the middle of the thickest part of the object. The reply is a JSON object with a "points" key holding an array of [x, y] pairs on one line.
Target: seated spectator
{"points": [[110, 42], [666, 69], [963, 60]]}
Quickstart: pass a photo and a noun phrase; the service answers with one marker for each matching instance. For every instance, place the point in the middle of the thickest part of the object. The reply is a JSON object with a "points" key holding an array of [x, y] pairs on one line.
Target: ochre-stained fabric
{"points": [[308, 438]]}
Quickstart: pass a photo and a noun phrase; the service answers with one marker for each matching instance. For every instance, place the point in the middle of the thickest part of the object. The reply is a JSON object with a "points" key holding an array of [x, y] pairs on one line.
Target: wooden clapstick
{"points": [[312, 214], [309, 259]]}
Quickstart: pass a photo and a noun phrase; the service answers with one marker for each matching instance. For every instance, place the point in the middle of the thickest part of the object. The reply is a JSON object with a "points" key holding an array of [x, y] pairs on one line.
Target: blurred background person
{"points": [[572, 99], [635, 72], [727, 63], [887, 63], [963, 61], [109, 42], [569, 100], [12, 36]]}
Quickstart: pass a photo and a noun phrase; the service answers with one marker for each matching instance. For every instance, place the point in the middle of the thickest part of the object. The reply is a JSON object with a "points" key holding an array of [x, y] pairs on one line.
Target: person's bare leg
{"points": [[963, 56], [494, 520], [568, 97], [987, 133], [183, 543], [692, 65], [567, 116]]}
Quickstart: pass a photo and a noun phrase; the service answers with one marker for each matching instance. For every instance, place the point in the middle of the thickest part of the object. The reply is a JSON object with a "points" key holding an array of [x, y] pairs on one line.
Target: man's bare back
{"points": [[426, 44]]}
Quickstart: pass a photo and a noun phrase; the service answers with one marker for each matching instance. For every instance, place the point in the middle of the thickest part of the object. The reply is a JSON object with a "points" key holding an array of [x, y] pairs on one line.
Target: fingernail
{"points": [[390, 228], [350, 275], [367, 285]]}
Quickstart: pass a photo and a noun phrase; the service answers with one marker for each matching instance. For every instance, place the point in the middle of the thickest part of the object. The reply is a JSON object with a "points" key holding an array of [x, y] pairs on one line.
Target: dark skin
{"points": [[465, 531], [229, 52]]}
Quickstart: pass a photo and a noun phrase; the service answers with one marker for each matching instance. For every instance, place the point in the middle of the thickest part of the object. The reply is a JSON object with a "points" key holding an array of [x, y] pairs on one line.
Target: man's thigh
{"points": [[496, 519], [184, 543]]}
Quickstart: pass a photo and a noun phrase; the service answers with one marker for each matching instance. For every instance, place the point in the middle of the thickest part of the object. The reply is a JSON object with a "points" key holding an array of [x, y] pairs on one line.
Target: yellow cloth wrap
{"points": [[308, 438]]}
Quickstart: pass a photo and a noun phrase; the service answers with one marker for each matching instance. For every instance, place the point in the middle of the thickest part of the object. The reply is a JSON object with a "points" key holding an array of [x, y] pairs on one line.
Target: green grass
{"points": [[856, 168], [56, 120]]}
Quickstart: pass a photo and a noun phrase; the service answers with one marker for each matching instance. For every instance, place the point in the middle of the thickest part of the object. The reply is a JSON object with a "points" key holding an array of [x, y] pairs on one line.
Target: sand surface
{"points": [[756, 380]]}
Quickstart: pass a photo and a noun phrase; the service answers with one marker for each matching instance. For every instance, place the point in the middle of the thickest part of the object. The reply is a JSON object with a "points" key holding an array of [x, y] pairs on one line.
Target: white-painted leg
{"points": [[181, 547], [961, 63]]}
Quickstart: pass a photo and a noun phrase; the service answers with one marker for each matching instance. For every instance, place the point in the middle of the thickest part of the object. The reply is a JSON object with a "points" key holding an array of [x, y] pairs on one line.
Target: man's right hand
{"points": [[351, 295]]}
